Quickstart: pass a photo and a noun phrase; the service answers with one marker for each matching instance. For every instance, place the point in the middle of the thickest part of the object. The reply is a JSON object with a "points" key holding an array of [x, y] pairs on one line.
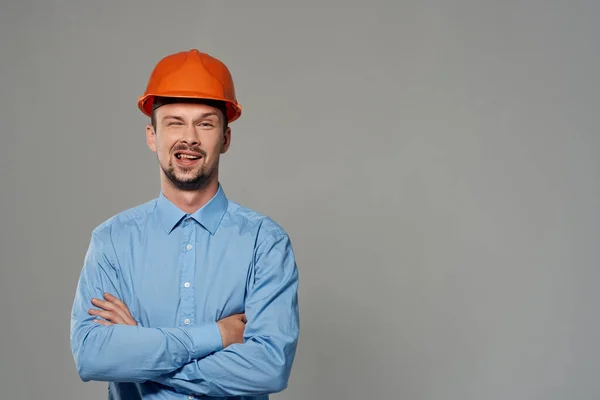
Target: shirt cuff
{"points": [[206, 339]]}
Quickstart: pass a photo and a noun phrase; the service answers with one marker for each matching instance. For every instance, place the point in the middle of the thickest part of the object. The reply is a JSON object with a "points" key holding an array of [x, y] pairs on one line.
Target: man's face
{"points": [[188, 142]]}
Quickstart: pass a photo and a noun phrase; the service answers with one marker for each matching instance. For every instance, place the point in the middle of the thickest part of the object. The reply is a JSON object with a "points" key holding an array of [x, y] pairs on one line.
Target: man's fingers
{"points": [[108, 315], [117, 314], [108, 306], [241, 317], [103, 322], [104, 304], [114, 304], [118, 302]]}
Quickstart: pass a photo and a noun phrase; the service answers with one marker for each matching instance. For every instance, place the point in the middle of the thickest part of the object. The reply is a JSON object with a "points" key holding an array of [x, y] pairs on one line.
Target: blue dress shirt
{"points": [[178, 274]]}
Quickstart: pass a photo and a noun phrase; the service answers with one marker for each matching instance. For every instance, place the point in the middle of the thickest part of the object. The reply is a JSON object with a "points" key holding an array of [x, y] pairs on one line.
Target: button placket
{"points": [[188, 256]]}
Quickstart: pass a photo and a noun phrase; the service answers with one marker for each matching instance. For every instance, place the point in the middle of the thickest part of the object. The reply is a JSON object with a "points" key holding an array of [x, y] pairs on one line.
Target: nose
{"points": [[190, 135]]}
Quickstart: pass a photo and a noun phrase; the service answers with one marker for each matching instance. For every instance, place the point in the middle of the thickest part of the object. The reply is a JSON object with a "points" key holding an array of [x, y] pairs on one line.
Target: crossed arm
{"points": [[113, 311], [206, 359]]}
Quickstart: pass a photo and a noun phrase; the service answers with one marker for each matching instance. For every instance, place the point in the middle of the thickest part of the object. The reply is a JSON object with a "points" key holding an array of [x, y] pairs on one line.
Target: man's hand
{"points": [[113, 310], [232, 329]]}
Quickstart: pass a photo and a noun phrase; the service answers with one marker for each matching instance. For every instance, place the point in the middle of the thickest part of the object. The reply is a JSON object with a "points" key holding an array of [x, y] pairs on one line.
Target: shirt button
{"points": [[190, 397], [186, 321], [188, 247], [187, 284]]}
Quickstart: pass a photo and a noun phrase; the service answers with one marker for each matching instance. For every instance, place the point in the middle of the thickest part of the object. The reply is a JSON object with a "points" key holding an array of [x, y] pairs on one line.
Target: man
{"points": [[189, 294]]}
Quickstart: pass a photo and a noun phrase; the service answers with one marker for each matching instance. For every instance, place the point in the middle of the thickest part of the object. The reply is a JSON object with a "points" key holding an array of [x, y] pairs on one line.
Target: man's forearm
{"points": [[256, 367], [136, 354]]}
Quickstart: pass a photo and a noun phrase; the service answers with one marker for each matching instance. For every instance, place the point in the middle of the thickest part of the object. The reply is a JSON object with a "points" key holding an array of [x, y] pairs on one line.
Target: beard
{"points": [[187, 179], [189, 183]]}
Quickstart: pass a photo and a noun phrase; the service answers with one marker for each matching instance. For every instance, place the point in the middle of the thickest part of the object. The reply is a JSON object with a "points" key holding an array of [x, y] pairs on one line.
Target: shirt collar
{"points": [[209, 215]]}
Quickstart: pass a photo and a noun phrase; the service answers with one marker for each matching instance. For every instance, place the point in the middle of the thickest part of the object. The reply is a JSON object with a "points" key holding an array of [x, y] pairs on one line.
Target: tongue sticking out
{"points": [[186, 159]]}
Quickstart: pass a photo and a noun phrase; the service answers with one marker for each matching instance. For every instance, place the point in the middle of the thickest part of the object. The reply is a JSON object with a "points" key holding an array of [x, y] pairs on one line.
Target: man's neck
{"points": [[190, 201]]}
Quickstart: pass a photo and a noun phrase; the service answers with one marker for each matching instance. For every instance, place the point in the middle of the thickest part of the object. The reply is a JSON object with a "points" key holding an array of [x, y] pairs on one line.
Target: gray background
{"points": [[435, 163]]}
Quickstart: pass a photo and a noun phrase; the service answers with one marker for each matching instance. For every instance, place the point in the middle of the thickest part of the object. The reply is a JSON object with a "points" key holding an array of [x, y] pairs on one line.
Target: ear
{"points": [[226, 140], [151, 137]]}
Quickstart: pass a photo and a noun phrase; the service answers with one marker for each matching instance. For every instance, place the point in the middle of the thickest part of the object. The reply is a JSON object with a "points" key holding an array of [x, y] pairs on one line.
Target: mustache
{"points": [[195, 149]]}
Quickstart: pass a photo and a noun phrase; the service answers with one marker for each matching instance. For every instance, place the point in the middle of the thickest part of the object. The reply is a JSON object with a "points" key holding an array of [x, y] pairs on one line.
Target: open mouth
{"points": [[187, 158]]}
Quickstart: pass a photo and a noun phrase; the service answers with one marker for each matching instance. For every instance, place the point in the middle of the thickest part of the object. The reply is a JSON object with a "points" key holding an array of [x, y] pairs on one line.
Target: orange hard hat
{"points": [[192, 75]]}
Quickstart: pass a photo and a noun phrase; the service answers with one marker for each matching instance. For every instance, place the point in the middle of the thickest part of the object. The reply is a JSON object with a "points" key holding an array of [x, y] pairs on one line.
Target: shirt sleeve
{"points": [[124, 353], [262, 364]]}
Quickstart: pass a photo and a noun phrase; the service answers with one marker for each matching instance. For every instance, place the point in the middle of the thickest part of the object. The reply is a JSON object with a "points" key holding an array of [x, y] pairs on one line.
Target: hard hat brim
{"points": [[234, 110]]}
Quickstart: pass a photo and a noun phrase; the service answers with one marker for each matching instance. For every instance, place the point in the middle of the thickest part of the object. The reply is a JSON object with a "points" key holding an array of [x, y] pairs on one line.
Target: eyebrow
{"points": [[202, 116]]}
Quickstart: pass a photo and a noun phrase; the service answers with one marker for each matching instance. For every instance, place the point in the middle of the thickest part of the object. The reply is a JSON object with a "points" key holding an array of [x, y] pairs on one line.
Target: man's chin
{"points": [[187, 179], [185, 174], [189, 183]]}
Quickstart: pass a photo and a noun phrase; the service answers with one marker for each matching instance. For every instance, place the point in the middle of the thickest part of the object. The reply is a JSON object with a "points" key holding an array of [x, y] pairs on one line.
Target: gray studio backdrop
{"points": [[435, 163]]}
